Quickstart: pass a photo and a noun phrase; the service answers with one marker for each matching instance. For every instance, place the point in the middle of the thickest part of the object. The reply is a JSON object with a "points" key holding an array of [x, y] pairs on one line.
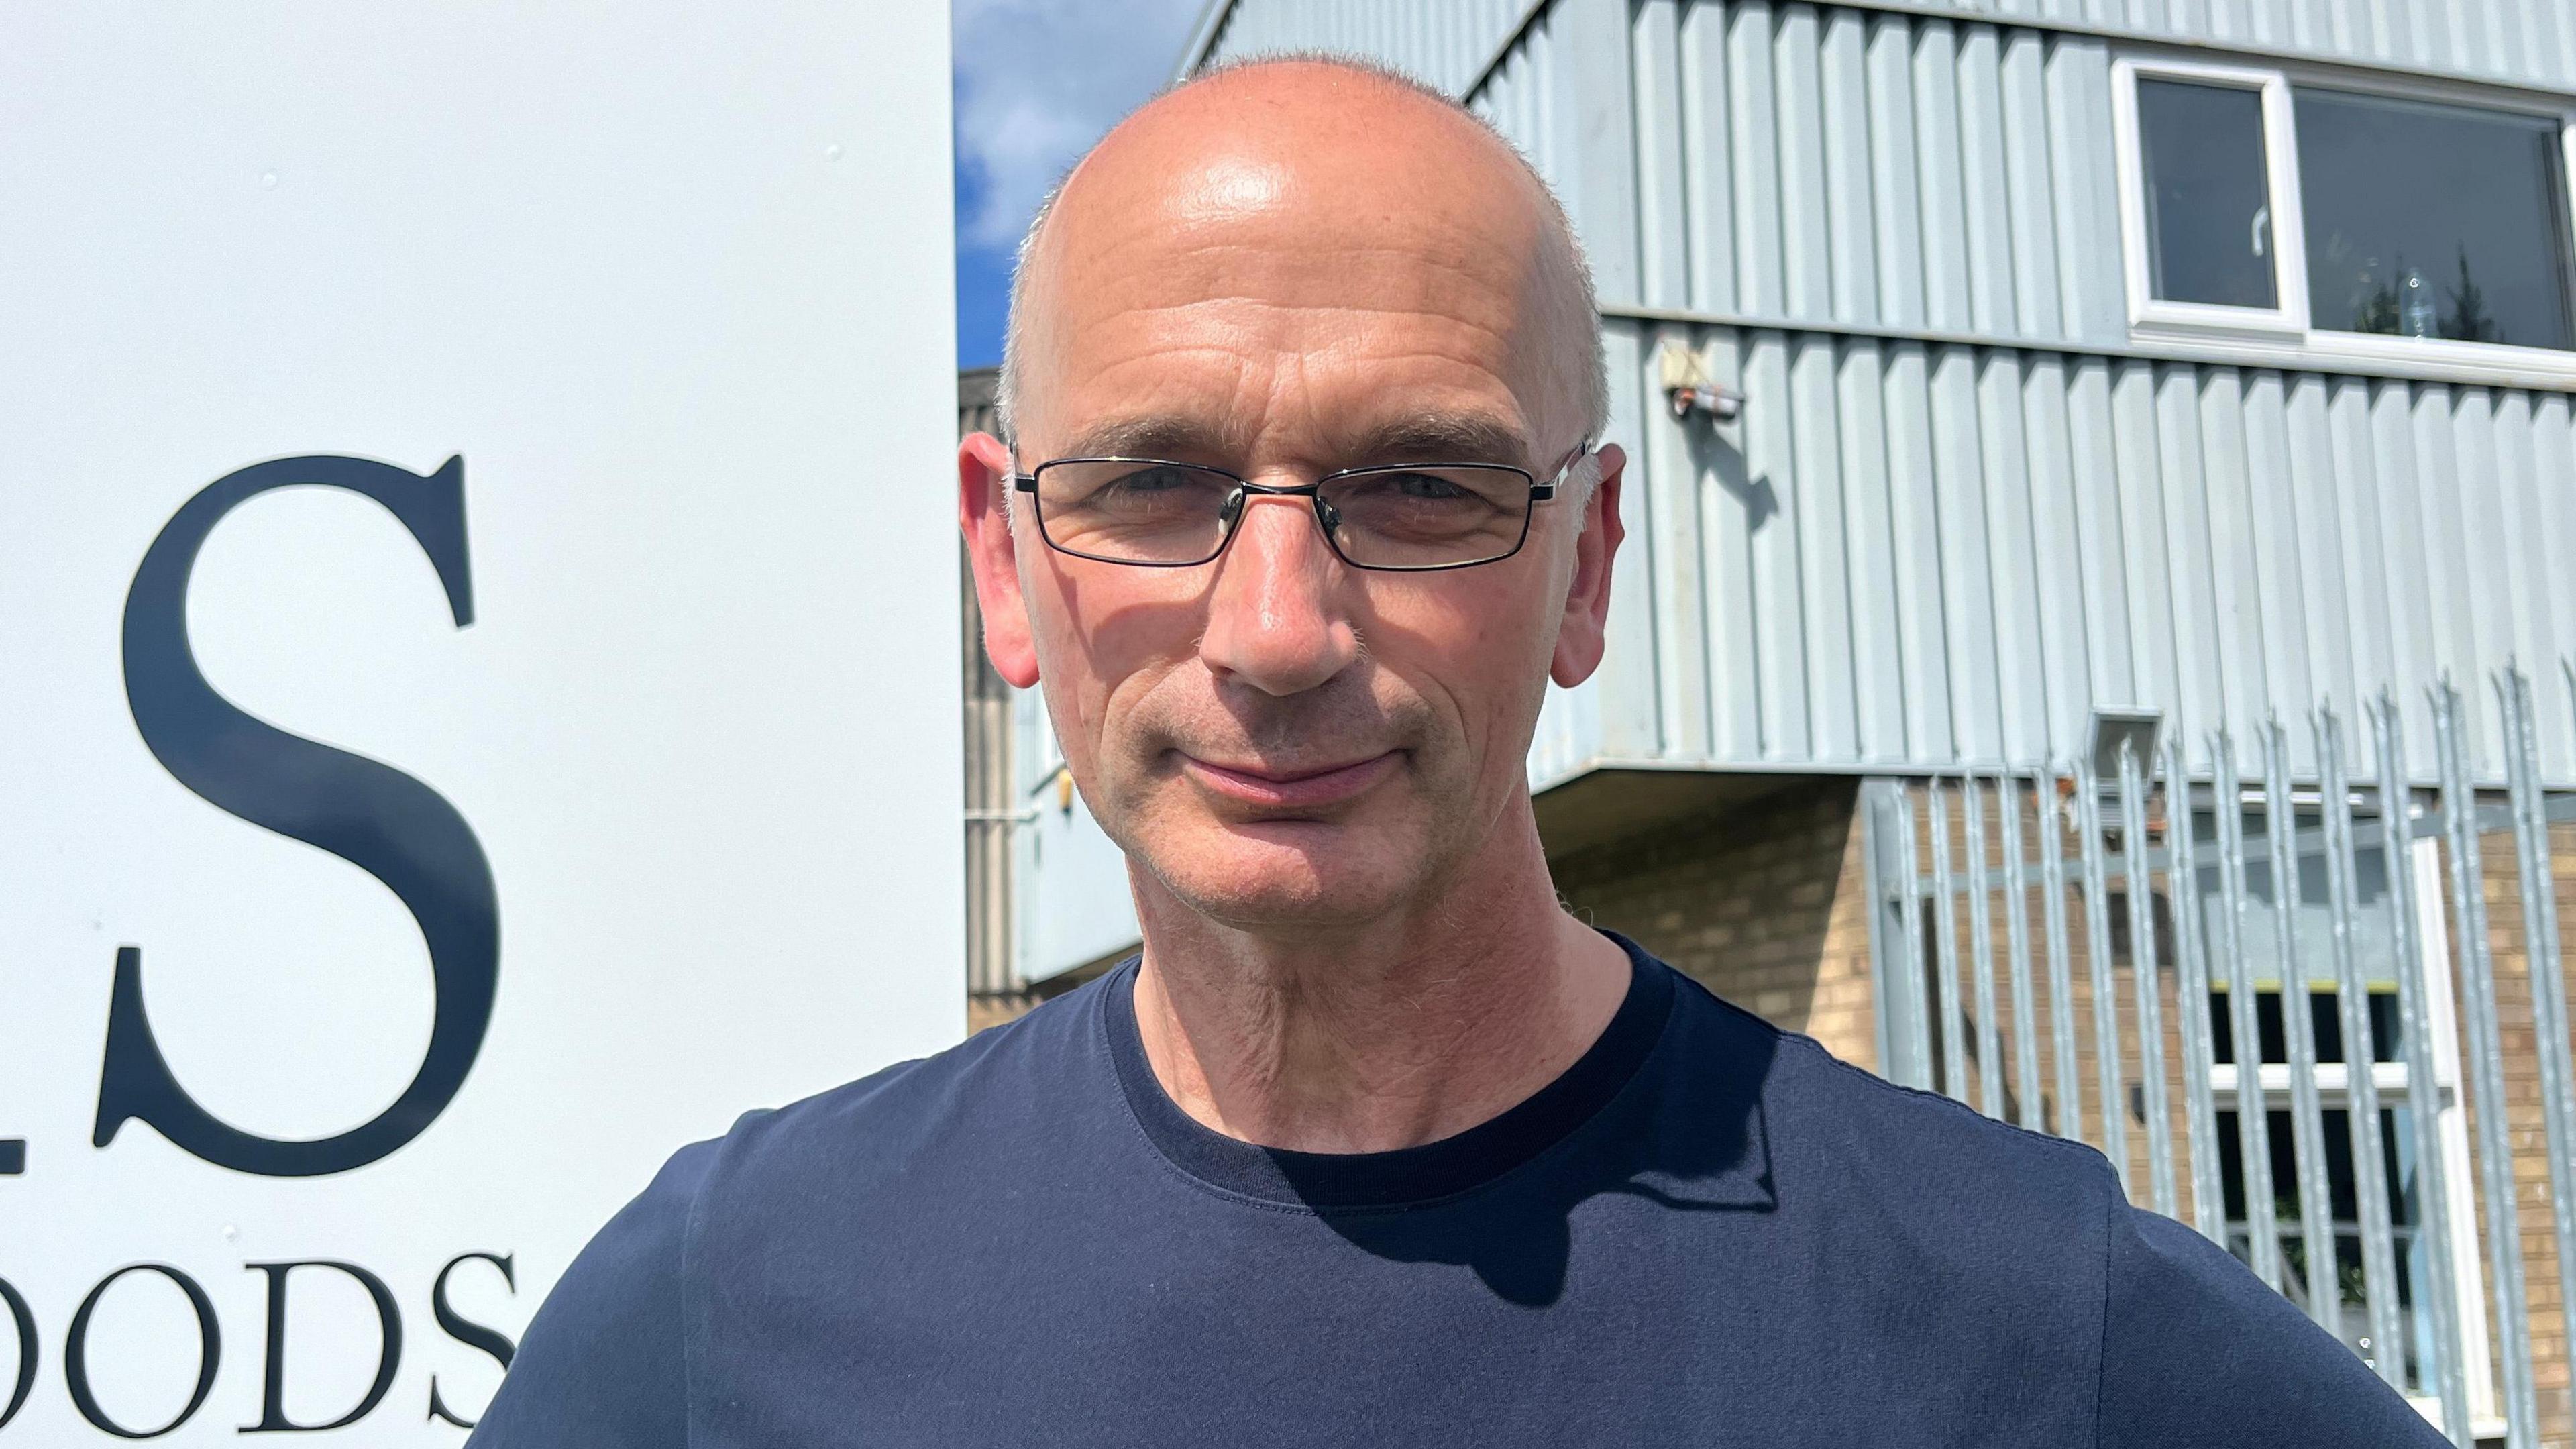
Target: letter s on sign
{"points": [[371, 815]]}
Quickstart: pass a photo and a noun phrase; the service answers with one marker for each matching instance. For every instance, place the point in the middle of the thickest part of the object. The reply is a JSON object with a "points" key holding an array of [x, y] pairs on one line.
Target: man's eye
{"points": [[1427, 485], [1153, 480]]}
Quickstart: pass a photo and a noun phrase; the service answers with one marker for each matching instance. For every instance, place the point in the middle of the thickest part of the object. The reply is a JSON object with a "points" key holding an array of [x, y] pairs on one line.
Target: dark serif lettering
{"points": [[371, 815], [210, 1352], [465, 1330], [272, 1394], [23, 1319]]}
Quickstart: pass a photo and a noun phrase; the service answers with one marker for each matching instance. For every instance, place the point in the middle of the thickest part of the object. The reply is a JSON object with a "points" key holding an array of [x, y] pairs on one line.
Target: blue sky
{"points": [[1036, 82]]}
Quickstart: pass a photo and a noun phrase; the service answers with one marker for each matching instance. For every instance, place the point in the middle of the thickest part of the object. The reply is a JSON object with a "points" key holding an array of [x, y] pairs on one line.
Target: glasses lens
{"points": [[1429, 517], [1133, 512]]}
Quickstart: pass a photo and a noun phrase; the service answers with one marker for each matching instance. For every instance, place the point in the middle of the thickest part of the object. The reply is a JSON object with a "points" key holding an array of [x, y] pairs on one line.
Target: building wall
{"points": [[2514, 42], [1446, 42], [1912, 554], [2524, 42], [1962, 508], [1762, 903]]}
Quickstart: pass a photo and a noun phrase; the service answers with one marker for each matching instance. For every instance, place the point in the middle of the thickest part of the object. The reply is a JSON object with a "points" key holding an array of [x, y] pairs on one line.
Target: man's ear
{"points": [[983, 480], [1581, 635]]}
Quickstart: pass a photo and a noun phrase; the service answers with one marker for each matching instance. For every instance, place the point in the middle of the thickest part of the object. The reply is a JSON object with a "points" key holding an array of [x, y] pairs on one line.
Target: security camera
{"points": [[1689, 388]]}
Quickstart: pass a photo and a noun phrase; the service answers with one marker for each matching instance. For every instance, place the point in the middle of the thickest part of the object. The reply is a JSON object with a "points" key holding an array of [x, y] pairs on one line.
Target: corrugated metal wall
{"points": [[2528, 42], [2519, 42], [1910, 554], [1915, 551], [1445, 42], [1839, 165]]}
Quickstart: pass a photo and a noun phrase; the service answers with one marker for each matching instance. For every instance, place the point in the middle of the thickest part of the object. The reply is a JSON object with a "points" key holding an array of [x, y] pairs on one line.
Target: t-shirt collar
{"points": [[1410, 1176]]}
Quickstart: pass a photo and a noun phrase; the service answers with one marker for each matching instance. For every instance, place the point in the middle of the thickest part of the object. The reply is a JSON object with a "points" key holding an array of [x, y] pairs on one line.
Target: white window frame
{"points": [[2285, 322], [2284, 336], [2468, 1269]]}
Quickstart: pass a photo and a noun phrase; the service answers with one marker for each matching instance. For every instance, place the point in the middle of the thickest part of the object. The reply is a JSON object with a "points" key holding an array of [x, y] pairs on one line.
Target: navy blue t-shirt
{"points": [[1707, 1231]]}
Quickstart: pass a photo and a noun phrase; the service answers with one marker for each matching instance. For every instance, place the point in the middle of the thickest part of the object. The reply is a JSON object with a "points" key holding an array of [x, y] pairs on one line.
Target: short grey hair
{"points": [[1595, 375]]}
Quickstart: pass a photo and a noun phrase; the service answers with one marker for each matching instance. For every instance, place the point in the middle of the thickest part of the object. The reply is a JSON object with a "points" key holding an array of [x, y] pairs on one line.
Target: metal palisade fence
{"points": [[2321, 1019]]}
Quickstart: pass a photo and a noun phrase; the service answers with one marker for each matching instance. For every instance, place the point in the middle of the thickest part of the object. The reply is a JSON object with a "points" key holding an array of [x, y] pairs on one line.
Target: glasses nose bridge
{"points": [[1247, 493]]}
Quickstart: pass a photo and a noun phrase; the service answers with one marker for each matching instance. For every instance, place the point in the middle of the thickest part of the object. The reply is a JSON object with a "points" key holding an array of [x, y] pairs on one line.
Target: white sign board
{"points": [[478, 663]]}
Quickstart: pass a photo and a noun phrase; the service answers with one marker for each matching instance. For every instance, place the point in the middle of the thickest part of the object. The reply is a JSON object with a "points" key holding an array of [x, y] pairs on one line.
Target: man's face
{"points": [[1279, 738]]}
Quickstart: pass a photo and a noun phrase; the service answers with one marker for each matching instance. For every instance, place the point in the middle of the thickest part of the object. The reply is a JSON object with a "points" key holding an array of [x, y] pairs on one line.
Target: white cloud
{"points": [[1038, 81]]}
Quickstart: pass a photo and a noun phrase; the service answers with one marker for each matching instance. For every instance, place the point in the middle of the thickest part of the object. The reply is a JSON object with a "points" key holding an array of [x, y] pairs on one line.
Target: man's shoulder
{"points": [[1839, 1134], [773, 1198], [896, 1122]]}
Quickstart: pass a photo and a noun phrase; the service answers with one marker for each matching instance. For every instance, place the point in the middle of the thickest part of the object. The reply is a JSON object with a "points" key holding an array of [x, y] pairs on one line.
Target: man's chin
{"points": [[1282, 875]]}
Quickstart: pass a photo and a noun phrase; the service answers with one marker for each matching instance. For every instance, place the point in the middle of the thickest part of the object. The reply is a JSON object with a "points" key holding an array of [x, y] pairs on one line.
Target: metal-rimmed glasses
{"points": [[1403, 517]]}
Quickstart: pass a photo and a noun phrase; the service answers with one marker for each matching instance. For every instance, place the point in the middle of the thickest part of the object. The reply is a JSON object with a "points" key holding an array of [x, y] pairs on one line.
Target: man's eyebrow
{"points": [[1441, 438], [1150, 436]]}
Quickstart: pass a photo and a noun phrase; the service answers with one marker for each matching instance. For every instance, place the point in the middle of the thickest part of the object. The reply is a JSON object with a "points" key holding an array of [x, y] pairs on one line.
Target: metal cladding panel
{"points": [[1857, 167], [1912, 555], [1918, 553], [1444, 42], [1447, 42], [1072, 900], [2532, 42]]}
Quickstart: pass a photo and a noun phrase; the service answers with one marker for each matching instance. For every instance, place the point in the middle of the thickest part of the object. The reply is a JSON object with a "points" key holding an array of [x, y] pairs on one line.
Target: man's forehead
{"points": [[1215, 221], [1247, 138], [1299, 254]]}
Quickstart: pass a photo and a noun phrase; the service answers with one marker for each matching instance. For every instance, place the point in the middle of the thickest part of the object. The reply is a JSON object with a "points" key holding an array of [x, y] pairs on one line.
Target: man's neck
{"points": [[1387, 1035]]}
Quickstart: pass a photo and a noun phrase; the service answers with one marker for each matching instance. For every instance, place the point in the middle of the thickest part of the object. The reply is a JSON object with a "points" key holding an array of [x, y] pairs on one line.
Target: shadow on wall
{"points": [[1712, 456], [1754, 890]]}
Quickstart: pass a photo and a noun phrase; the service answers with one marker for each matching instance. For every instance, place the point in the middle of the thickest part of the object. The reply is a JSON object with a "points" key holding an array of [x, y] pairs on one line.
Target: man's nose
{"points": [[1274, 618]]}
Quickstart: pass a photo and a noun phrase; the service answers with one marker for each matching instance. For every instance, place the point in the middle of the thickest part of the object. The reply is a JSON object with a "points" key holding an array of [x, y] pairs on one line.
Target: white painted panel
{"points": [[600, 633]]}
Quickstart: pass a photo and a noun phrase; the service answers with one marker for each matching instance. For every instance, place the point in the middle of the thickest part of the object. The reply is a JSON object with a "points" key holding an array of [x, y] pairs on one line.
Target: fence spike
{"points": [[2192, 994], [2145, 990], [2245, 1036], [1981, 951], [2061, 988], [2298, 1036], [2486, 1072], [2447, 1372], [2026, 1105], [2097, 942], [1945, 955], [2360, 1057]]}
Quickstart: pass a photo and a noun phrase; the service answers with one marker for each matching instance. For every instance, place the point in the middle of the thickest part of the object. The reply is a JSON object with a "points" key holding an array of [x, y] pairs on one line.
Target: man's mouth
{"points": [[1289, 789]]}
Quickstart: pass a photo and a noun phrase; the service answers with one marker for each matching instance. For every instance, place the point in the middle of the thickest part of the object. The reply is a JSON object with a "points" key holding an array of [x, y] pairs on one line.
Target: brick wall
{"points": [[2525, 1128], [1761, 902]]}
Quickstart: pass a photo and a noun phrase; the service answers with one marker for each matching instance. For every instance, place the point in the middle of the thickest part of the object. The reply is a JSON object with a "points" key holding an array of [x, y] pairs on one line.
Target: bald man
{"points": [[1302, 502]]}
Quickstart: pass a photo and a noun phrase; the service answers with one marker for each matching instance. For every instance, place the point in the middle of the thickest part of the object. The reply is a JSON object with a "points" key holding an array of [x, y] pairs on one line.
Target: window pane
{"points": [[2413, 1285], [2325, 1018], [2209, 220], [2431, 221]]}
